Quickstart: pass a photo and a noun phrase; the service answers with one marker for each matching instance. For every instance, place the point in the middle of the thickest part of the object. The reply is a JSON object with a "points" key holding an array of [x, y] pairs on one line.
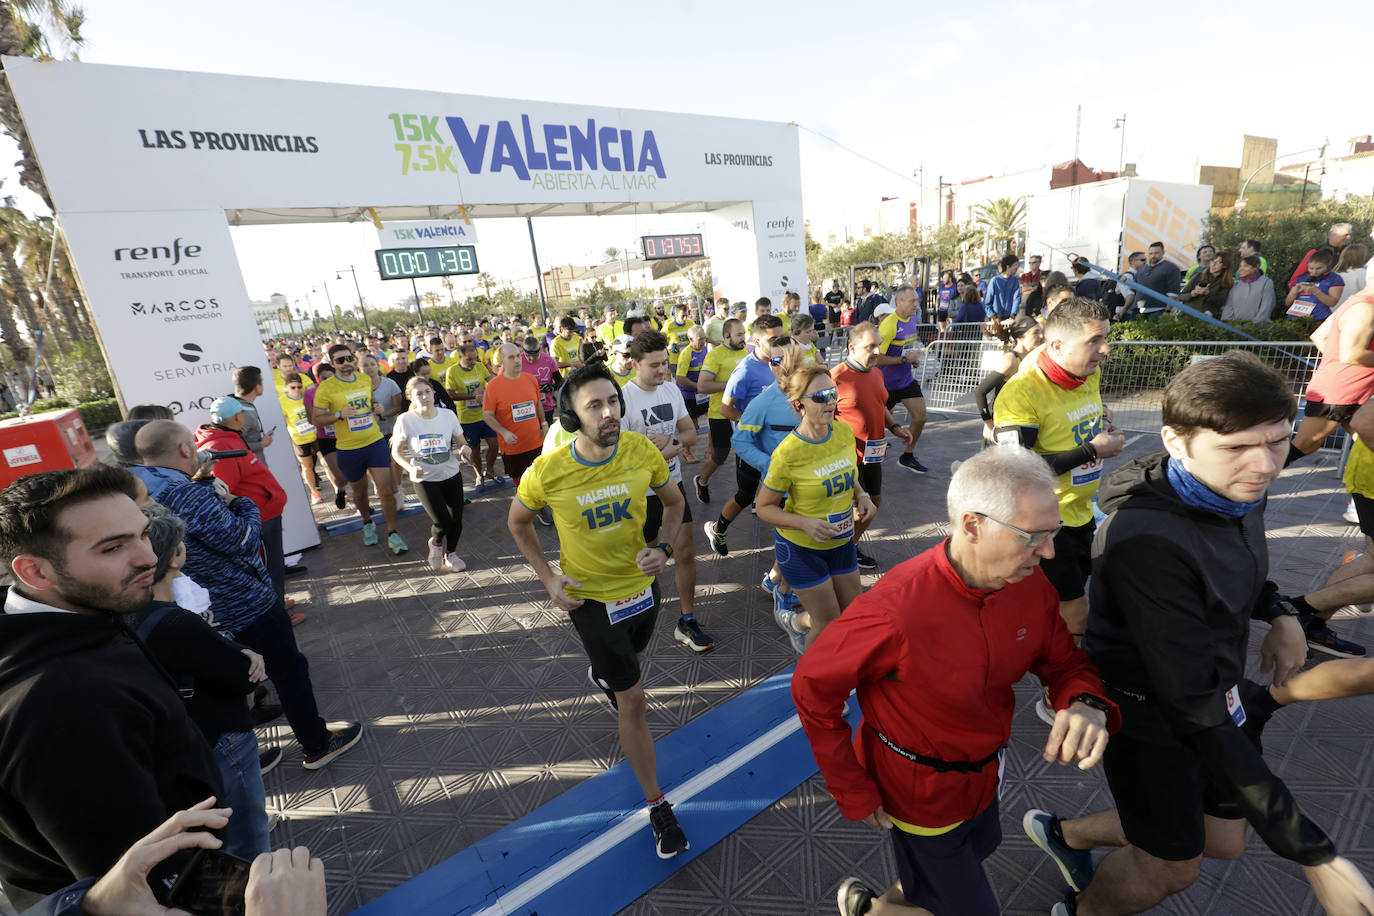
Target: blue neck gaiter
{"points": [[1199, 496]]}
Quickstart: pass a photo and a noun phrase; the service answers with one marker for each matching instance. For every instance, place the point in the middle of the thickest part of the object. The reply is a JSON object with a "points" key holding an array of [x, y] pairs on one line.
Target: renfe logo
{"points": [[567, 147], [159, 253]]}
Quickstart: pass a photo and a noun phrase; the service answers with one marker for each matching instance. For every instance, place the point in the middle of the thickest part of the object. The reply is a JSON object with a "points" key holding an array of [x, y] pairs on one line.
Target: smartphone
{"points": [[228, 453], [211, 884]]}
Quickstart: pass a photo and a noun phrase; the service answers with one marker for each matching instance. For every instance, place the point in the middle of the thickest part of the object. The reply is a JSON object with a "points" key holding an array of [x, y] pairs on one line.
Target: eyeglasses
{"points": [[1033, 538], [824, 396]]}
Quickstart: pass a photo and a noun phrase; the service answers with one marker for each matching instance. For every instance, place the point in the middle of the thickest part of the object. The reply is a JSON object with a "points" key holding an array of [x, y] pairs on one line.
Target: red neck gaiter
{"points": [[1055, 373]]}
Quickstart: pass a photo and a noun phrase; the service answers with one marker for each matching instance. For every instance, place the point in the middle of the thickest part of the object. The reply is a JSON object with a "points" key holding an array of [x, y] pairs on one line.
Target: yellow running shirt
{"points": [[676, 334], [437, 369], [819, 480], [463, 383], [297, 419], [622, 378], [354, 432], [567, 351], [1359, 469], [598, 510], [720, 362], [1065, 420]]}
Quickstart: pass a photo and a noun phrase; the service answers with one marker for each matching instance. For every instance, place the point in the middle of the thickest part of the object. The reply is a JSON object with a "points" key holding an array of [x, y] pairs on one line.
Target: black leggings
{"points": [[747, 480], [443, 502]]}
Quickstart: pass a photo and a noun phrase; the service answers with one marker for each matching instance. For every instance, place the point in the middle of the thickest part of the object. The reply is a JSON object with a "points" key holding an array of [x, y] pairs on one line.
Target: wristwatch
{"points": [[1087, 699], [666, 548]]}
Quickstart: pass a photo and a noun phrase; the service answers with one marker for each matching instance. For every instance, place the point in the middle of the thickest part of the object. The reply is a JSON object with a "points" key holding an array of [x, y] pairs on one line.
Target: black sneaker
{"points": [[865, 561], [339, 499], [703, 491], [854, 898], [1322, 638], [911, 464], [717, 539], [604, 687], [268, 760], [689, 633], [340, 741], [669, 840]]}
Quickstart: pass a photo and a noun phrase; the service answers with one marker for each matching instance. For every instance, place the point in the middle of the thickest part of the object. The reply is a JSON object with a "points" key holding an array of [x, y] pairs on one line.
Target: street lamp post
{"points": [[1121, 159], [1316, 149], [330, 300], [338, 275]]}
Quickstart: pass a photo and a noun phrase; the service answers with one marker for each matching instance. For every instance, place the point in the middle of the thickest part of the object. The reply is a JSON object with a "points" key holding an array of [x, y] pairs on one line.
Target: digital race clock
{"points": [[672, 246], [407, 263]]}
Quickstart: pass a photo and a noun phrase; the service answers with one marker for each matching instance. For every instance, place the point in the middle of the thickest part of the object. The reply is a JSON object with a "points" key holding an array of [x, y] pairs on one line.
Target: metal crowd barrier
{"points": [[1133, 376]]}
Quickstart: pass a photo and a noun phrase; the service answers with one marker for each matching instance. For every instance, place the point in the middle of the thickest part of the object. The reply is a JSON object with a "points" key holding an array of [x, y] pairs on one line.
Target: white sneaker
{"points": [[436, 556], [454, 563], [1353, 612], [1350, 515], [1044, 710]]}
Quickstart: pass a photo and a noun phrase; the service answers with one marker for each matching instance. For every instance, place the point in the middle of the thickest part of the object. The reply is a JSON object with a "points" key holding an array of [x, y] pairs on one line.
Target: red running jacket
{"points": [[246, 476], [934, 663]]}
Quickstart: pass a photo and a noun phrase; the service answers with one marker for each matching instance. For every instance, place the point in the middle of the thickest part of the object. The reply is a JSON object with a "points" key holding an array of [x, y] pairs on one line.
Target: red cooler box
{"points": [[43, 442]]}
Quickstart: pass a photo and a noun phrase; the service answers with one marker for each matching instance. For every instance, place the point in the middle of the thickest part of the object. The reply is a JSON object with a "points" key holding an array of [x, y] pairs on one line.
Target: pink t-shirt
{"points": [[1336, 382]]}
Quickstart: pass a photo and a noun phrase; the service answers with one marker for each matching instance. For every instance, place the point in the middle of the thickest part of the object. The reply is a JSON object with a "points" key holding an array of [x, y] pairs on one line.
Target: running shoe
{"points": [[454, 563], [436, 555], [369, 533], [911, 464], [545, 516], [1352, 611], [397, 545], [297, 618], [865, 561], [716, 539], [1350, 515], [854, 898], [786, 619], [340, 741], [497, 483], [1076, 865], [1066, 907], [669, 840], [1322, 638], [316, 498], [689, 633], [604, 687], [339, 499], [481, 485], [770, 588], [268, 760], [703, 491]]}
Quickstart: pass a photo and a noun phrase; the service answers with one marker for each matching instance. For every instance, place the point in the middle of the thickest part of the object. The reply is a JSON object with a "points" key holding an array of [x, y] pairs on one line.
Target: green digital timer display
{"points": [[410, 263]]}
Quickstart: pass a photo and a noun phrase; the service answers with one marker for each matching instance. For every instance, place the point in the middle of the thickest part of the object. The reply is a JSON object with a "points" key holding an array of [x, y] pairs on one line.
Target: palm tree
{"points": [[999, 221], [448, 285], [487, 282], [34, 28]]}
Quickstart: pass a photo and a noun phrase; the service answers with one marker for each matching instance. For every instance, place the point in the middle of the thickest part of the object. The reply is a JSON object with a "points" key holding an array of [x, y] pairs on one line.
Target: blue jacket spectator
{"points": [[1003, 297], [765, 423]]}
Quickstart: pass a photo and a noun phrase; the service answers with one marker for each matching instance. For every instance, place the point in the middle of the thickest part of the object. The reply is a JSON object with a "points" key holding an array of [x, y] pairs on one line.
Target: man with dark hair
{"points": [[96, 748], [655, 408], [1315, 292], [1089, 285], [1337, 238], [1055, 408], [1251, 247], [247, 388], [1160, 275], [345, 402], [567, 345], [1003, 298], [866, 301], [223, 534], [1169, 637], [597, 487], [1204, 259], [1032, 275]]}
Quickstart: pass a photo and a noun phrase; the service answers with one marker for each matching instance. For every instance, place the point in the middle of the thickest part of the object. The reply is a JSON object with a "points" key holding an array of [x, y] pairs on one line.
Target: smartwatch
{"points": [[666, 548], [1087, 699]]}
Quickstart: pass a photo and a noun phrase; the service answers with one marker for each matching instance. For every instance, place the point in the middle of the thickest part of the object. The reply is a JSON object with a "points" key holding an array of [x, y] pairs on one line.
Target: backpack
{"points": [[1112, 297]]}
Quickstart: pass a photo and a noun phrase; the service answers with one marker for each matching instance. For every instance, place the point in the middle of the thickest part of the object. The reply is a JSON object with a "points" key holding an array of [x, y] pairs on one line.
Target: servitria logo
{"points": [[191, 352], [194, 354]]}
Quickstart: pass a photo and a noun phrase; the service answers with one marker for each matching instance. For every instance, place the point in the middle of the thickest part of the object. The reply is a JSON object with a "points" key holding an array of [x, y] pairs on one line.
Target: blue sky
{"points": [[960, 90]]}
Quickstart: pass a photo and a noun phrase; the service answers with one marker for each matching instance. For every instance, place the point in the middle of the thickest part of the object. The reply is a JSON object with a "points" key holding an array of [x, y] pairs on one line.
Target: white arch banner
{"points": [[147, 168]]}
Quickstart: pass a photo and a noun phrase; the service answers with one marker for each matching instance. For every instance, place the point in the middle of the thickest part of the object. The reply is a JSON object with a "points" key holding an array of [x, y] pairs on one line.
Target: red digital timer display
{"points": [[672, 246]]}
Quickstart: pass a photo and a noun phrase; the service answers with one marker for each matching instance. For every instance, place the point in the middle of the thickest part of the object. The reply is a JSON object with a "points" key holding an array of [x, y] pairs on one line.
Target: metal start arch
{"points": [[149, 168]]}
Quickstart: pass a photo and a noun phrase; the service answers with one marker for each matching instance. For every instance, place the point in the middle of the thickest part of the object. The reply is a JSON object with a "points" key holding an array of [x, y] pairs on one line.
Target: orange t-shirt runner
{"points": [[518, 407], [861, 403]]}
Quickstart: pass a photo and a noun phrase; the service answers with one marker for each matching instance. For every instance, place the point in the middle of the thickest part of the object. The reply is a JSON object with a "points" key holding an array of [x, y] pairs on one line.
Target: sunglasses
{"points": [[345, 359], [1033, 538], [824, 396]]}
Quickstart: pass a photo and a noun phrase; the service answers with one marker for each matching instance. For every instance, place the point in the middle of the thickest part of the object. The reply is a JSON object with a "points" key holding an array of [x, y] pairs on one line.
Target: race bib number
{"points": [[875, 450], [625, 608], [303, 426], [430, 444], [1086, 473], [703, 399], [358, 424], [473, 403], [1301, 309], [844, 521], [1234, 707], [522, 411]]}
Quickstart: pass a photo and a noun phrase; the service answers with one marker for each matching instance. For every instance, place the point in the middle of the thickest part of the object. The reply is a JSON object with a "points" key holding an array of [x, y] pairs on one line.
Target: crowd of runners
{"points": [[1126, 588]]}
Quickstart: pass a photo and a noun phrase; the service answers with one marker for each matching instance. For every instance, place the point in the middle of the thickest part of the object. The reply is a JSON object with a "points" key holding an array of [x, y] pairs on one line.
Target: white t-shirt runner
{"points": [[655, 413], [430, 443]]}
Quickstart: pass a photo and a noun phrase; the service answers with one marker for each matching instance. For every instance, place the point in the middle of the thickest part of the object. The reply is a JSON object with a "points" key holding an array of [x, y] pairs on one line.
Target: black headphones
{"points": [[567, 416]]}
